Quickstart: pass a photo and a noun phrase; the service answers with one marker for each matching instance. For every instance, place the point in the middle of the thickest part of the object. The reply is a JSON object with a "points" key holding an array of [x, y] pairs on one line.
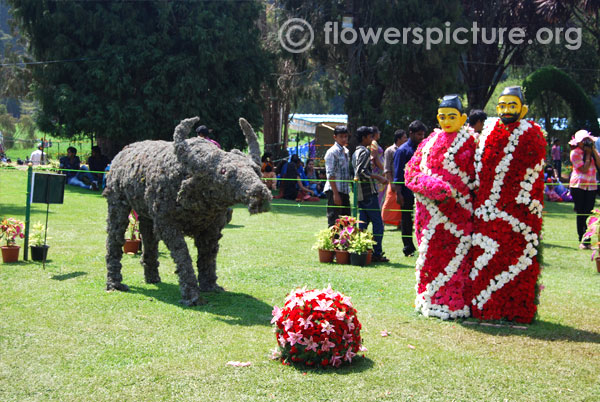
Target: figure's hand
{"points": [[382, 180], [337, 200]]}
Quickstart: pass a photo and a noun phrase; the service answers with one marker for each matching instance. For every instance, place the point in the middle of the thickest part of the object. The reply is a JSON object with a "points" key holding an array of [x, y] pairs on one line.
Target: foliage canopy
{"points": [[131, 70]]}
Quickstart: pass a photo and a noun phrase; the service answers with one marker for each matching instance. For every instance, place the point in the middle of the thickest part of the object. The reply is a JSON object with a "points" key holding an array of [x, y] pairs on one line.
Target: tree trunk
{"points": [[286, 114], [272, 123]]}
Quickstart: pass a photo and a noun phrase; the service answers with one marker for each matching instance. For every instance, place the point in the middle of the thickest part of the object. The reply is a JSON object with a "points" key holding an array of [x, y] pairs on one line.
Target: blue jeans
{"points": [[77, 180], [74, 181], [369, 211]]}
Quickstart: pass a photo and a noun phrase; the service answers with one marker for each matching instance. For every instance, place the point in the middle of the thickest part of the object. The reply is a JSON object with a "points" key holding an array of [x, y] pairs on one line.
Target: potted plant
{"points": [[132, 244], [11, 229], [39, 248], [325, 245], [344, 229], [593, 228], [360, 245]]}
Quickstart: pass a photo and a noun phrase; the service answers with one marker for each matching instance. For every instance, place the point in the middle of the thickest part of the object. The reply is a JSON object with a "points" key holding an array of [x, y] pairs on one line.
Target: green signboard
{"points": [[48, 188]]}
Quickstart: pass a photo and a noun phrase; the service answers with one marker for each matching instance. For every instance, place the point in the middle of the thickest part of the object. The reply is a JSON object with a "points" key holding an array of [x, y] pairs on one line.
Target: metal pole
{"points": [[28, 211], [355, 198]]}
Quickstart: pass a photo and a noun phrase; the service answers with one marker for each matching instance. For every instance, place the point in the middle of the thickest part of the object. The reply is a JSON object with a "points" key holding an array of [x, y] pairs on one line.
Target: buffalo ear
{"points": [[179, 136], [251, 139]]}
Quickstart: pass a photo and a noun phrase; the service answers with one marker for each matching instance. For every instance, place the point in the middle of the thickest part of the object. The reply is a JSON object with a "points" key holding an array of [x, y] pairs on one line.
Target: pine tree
{"points": [[128, 71]]}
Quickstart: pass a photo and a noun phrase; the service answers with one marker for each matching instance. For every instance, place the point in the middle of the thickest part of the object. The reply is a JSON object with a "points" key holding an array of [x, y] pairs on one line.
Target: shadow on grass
{"points": [[234, 308], [358, 366], [550, 245], [16, 264], [13, 210], [543, 330], [81, 190], [394, 265], [70, 275], [286, 207], [232, 226]]}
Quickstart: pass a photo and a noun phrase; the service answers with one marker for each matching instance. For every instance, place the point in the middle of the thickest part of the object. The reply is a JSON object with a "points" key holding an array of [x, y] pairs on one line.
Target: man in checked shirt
{"points": [[337, 167]]}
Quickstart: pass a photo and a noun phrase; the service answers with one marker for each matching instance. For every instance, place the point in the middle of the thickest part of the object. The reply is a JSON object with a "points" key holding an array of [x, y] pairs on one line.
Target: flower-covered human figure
{"points": [[507, 214], [442, 175]]}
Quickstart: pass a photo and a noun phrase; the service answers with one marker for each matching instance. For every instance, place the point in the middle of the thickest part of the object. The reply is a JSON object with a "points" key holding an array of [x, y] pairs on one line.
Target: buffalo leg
{"points": [[208, 247], [117, 222], [180, 254], [149, 258], [207, 244]]}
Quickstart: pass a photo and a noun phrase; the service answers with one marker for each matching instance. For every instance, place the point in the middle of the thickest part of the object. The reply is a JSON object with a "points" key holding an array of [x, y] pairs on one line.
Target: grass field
{"points": [[62, 337]]}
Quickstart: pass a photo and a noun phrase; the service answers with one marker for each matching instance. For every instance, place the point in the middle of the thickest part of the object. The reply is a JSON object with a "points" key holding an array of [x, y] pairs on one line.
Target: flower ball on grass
{"points": [[317, 328]]}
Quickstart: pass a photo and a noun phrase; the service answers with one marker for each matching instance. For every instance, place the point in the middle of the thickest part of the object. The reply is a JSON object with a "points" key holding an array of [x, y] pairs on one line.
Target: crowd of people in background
{"points": [[383, 198]]}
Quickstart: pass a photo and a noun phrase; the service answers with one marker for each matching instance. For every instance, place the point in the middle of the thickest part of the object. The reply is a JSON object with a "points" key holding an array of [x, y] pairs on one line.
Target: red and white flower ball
{"points": [[317, 328]]}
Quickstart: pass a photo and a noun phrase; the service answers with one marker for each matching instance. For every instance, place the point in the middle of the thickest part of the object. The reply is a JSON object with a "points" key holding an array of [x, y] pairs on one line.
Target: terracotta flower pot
{"points": [[342, 257], [131, 246], [10, 254], [369, 255], [326, 255], [598, 265]]}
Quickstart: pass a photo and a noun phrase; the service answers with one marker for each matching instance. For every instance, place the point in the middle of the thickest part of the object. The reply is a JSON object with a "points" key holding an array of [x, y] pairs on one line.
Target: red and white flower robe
{"points": [[442, 175], [507, 222]]}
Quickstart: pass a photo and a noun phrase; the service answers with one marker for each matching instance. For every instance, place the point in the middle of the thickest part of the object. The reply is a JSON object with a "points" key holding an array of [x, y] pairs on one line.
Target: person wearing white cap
{"points": [[38, 157], [585, 160]]}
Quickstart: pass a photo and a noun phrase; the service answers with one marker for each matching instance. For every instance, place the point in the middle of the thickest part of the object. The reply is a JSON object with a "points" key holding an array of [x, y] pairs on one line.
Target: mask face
{"points": [[450, 119], [510, 109]]}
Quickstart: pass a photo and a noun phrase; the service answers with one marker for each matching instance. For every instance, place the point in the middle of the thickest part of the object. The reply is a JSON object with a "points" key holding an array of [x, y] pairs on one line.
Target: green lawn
{"points": [[58, 149], [62, 337]]}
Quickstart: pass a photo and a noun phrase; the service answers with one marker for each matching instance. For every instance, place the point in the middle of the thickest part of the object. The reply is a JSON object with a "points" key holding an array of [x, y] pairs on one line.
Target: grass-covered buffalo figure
{"points": [[180, 188]]}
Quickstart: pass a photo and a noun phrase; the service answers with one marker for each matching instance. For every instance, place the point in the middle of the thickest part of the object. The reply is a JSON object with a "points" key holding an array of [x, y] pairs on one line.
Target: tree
{"points": [[296, 79], [483, 65], [552, 79], [581, 66], [585, 12], [384, 84], [132, 70], [14, 77]]}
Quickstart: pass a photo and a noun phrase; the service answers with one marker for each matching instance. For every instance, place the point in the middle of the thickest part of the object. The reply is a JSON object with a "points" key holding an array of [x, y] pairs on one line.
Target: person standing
{"points": [[556, 152], [404, 197], [367, 195], [390, 211], [585, 160], [337, 169], [377, 158]]}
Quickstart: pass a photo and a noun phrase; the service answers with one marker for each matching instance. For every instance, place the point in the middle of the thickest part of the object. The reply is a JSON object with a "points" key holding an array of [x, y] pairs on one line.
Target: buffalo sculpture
{"points": [[180, 188]]}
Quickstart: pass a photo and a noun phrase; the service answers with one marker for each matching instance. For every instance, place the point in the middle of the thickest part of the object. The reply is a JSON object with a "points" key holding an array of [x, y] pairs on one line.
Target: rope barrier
{"points": [[38, 167], [278, 205]]}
